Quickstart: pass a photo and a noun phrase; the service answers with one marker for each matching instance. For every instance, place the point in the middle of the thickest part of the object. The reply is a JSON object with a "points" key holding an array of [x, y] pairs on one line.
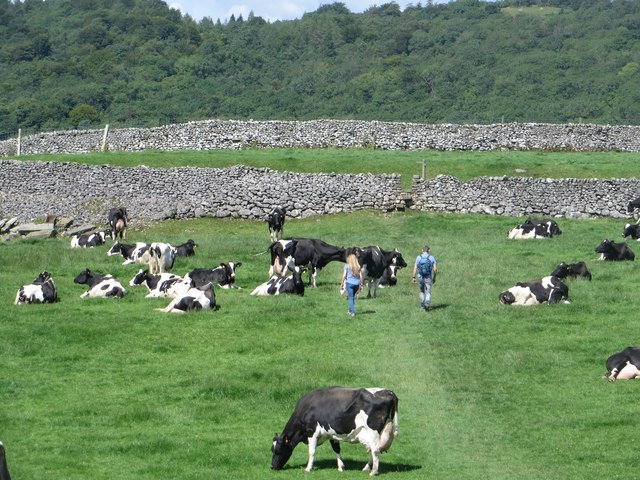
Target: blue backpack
{"points": [[425, 265]]}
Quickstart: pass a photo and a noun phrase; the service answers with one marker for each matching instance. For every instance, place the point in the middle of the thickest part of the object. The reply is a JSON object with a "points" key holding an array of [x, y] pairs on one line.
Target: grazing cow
{"points": [[4, 469], [525, 231], [611, 251], [187, 249], [194, 299], [42, 290], [546, 290], [161, 257], [356, 415], [374, 261], [631, 230], [88, 240], [162, 285], [550, 225], [224, 276], [572, 270], [100, 285], [633, 204], [117, 221], [304, 252], [276, 223], [624, 365], [132, 253], [278, 285]]}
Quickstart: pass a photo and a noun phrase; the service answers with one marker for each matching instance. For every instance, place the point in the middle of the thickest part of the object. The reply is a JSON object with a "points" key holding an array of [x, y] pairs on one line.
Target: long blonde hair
{"points": [[353, 263]]}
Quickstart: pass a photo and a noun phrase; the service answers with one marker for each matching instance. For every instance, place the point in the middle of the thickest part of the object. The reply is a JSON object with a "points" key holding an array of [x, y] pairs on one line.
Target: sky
{"points": [[270, 10]]}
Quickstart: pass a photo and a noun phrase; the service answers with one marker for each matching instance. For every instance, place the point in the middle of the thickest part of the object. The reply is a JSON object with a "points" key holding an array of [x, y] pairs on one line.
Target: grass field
{"points": [[114, 389]]}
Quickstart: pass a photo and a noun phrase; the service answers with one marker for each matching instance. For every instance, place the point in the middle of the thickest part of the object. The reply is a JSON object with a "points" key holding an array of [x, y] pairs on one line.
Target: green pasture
{"points": [[113, 389]]}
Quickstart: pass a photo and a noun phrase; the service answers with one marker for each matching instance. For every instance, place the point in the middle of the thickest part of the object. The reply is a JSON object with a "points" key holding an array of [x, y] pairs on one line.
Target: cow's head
{"points": [[629, 230], [604, 247], [561, 271], [507, 298], [282, 449], [43, 277], [140, 277], [230, 270], [84, 276], [116, 249], [397, 259]]}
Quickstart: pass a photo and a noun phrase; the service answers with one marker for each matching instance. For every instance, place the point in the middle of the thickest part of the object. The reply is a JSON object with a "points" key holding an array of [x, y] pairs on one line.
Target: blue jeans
{"points": [[352, 289], [425, 291]]}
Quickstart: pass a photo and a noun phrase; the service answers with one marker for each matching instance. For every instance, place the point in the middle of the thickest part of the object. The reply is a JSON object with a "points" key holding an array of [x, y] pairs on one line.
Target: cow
{"points": [[88, 240], [631, 230], [132, 253], [633, 204], [194, 299], [304, 252], [162, 285], [572, 270], [224, 276], [42, 290], [374, 261], [161, 257], [389, 277], [550, 225], [525, 231], [100, 285], [276, 223], [546, 290], [187, 249], [277, 285], [356, 415], [624, 365], [611, 251], [117, 221], [4, 469]]}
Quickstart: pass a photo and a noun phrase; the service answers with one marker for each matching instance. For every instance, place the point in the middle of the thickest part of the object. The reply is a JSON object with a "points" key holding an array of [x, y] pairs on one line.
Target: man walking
{"points": [[426, 268]]}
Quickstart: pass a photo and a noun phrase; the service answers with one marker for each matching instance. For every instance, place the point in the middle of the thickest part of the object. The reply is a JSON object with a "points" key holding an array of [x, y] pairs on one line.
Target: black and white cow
{"points": [[356, 415], [304, 252], [611, 251], [161, 285], [100, 285], [4, 469], [132, 253], [224, 276], [624, 365], [572, 270], [88, 240], [117, 221], [389, 277], [525, 231], [42, 290], [633, 204], [374, 261], [187, 249], [546, 290], [277, 285], [275, 220], [550, 225], [203, 298], [161, 257], [631, 230]]}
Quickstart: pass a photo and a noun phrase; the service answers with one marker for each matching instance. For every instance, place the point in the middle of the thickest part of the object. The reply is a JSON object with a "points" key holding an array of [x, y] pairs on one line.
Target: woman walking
{"points": [[351, 281]]}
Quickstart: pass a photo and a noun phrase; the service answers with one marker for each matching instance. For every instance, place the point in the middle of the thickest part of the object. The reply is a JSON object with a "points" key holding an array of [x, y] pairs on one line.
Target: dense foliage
{"points": [[81, 63]]}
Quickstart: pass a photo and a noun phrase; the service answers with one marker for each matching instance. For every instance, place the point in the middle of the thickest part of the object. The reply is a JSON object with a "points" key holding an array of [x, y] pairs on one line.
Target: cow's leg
{"points": [[336, 448], [313, 442], [313, 276]]}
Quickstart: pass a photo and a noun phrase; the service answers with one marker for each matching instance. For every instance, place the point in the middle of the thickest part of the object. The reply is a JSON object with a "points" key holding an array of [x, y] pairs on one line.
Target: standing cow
{"points": [[117, 221], [276, 223], [374, 261], [356, 415]]}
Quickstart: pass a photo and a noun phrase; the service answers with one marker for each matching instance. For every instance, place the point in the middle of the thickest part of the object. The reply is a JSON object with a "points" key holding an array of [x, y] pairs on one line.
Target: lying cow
{"points": [[194, 299], [551, 226], [624, 365], [356, 415], [277, 285], [611, 251], [374, 261], [88, 240], [117, 221], [4, 469], [187, 249], [546, 290], [276, 223], [525, 231], [161, 257], [224, 276], [633, 204], [572, 270], [42, 290], [132, 253], [162, 285], [100, 285], [631, 230]]}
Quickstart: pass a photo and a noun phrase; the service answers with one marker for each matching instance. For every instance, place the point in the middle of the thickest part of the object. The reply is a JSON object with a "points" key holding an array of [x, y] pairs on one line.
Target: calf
{"points": [[161, 257], [631, 230], [100, 285], [187, 249], [277, 285], [194, 299], [374, 261], [117, 221], [4, 469], [42, 290], [546, 290], [356, 415], [276, 223], [623, 365], [525, 231], [162, 285], [572, 270], [88, 240], [224, 276], [132, 253], [611, 251]]}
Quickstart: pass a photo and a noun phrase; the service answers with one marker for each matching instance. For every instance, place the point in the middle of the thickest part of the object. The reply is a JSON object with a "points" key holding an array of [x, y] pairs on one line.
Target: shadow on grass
{"points": [[354, 465]]}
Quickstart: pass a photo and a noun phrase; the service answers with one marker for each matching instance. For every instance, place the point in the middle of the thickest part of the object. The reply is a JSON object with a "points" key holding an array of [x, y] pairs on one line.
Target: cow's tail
{"points": [[395, 415]]}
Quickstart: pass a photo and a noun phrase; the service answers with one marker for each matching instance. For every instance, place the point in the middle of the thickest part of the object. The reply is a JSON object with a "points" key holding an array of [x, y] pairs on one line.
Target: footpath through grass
{"points": [[114, 389]]}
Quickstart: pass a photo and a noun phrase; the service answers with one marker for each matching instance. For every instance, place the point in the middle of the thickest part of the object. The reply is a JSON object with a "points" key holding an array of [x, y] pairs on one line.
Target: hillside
{"points": [[79, 63]]}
